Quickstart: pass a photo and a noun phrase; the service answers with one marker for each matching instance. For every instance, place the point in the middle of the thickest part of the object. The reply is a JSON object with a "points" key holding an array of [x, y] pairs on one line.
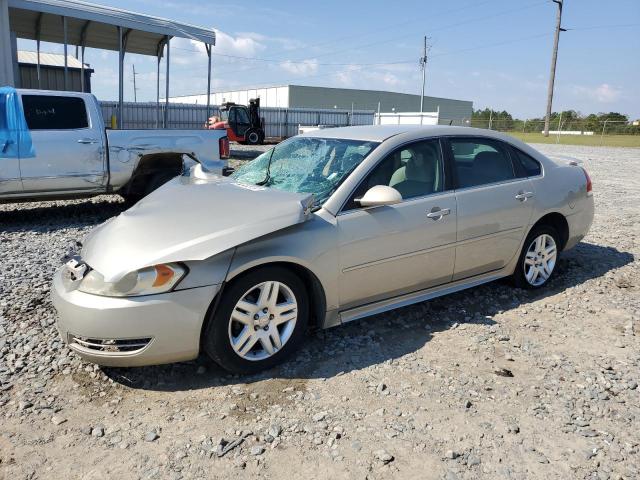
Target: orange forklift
{"points": [[243, 124]]}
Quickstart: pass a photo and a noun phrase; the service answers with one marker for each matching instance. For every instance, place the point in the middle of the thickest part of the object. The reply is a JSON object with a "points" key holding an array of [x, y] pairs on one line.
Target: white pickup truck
{"points": [[55, 145]]}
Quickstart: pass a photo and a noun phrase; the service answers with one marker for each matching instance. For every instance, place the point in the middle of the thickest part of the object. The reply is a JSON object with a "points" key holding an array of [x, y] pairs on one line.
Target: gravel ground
{"points": [[489, 383]]}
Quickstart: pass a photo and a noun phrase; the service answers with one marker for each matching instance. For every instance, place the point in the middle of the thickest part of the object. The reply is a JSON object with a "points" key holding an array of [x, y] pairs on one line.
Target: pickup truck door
{"points": [[68, 145]]}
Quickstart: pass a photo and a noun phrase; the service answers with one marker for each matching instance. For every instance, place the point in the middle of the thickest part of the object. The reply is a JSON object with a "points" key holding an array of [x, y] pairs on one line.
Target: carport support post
{"points": [[208, 47], [83, 43], [120, 76], [38, 26], [66, 67], [166, 94], [158, 91]]}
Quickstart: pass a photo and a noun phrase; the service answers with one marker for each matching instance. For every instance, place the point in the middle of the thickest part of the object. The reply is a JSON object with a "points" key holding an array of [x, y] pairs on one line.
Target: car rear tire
{"points": [[260, 320], [538, 258]]}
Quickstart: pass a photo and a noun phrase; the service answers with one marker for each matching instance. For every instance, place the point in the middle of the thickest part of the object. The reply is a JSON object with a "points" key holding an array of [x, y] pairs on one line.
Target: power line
{"points": [[395, 38], [359, 67], [295, 62]]}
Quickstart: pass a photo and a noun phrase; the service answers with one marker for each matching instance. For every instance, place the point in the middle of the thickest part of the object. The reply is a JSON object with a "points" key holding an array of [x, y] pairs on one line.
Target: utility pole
{"points": [[423, 65], [554, 58], [135, 89]]}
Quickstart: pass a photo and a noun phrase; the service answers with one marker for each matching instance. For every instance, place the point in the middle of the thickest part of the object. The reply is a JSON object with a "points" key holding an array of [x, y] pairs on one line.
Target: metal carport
{"points": [[89, 25]]}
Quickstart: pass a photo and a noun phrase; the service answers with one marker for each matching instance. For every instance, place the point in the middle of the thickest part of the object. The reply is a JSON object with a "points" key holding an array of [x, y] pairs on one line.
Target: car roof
{"points": [[380, 133]]}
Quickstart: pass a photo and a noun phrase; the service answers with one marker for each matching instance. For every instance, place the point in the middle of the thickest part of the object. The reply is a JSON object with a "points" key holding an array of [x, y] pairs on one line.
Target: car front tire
{"points": [[260, 320], [538, 258]]}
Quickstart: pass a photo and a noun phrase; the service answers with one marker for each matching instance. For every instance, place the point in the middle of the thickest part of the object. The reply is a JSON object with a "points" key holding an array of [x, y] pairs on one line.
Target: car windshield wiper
{"points": [[267, 176]]}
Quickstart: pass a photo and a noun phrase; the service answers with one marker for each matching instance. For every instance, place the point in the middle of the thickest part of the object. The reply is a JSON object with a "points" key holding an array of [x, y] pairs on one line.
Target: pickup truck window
{"points": [[50, 112], [3, 112]]}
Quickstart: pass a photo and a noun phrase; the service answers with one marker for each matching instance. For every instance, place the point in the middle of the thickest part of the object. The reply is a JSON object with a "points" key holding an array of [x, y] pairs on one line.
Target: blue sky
{"points": [[493, 52]]}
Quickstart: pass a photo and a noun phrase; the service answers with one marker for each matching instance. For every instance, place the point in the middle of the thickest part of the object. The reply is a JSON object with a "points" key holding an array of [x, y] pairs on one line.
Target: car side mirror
{"points": [[380, 195]]}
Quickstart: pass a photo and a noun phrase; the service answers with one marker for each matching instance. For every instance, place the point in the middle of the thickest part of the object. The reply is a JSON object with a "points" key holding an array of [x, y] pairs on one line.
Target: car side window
{"points": [[51, 112], [479, 161], [529, 164], [414, 170]]}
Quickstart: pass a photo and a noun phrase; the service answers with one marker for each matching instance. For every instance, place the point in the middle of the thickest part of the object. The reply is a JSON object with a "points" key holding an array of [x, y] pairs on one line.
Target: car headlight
{"points": [[146, 281]]}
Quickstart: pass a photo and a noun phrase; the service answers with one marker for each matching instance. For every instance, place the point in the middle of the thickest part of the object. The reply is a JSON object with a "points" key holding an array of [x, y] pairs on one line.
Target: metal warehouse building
{"points": [[48, 72], [300, 96]]}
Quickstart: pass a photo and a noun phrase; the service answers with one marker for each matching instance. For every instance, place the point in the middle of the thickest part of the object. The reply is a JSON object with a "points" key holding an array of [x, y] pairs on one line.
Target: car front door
{"points": [[69, 155], [386, 251], [494, 205]]}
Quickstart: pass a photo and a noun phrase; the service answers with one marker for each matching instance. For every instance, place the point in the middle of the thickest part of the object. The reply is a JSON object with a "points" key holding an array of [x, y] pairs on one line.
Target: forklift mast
{"points": [[254, 113]]}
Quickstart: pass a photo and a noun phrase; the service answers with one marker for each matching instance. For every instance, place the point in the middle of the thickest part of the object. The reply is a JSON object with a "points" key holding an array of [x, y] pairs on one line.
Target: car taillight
{"points": [[223, 145], [589, 184]]}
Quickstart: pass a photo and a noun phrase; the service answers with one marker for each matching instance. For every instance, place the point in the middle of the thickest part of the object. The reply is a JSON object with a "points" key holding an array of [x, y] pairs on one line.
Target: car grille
{"points": [[109, 345]]}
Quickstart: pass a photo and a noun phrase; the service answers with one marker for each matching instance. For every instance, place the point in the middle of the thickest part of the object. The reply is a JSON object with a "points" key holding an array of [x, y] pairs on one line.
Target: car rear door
{"points": [[494, 205], [69, 150], [390, 250]]}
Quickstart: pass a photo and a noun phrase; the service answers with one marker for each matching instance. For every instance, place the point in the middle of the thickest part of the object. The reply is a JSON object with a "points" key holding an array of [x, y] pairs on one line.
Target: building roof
{"points": [[50, 60], [97, 22]]}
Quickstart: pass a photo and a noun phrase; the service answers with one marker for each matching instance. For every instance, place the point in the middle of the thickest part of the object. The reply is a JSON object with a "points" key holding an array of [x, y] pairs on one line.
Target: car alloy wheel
{"points": [[540, 259], [263, 320]]}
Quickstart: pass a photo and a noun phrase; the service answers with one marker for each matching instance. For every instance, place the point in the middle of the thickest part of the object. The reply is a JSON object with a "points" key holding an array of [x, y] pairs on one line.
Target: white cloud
{"points": [[369, 77], [306, 67], [241, 45], [603, 93]]}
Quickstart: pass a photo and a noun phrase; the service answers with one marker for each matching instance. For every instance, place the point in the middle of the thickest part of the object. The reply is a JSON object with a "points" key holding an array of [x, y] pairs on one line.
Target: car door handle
{"points": [[522, 196], [87, 141], [437, 213]]}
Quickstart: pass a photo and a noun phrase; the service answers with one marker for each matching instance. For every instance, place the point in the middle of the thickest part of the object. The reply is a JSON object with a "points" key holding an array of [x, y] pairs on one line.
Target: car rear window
{"points": [[529, 164], [480, 161], [51, 112]]}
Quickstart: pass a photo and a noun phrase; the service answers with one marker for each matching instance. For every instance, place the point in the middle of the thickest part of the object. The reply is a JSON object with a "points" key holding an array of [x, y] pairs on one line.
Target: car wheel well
{"points": [[317, 298], [559, 223]]}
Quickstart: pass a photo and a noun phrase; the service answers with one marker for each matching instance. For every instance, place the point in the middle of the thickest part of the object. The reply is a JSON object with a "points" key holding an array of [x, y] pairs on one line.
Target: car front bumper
{"points": [[133, 331]]}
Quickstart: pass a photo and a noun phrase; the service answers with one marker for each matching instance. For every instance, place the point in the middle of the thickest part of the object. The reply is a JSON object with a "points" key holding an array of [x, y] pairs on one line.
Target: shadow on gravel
{"points": [[383, 337], [51, 216]]}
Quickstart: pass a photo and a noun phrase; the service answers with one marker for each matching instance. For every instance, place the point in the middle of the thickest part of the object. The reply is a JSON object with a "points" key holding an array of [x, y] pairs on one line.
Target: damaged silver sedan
{"points": [[324, 228]]}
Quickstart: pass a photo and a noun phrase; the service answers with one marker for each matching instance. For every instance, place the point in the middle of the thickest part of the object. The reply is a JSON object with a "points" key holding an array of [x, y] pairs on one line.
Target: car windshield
{"points": [[306, 165]]}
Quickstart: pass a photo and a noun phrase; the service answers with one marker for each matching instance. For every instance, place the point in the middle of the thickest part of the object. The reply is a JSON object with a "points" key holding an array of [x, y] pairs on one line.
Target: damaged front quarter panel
{"points": [[189, 219]]}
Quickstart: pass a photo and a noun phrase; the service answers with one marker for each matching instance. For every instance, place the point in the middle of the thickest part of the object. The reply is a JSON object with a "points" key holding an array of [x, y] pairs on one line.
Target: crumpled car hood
{"points": [[190, 219]]}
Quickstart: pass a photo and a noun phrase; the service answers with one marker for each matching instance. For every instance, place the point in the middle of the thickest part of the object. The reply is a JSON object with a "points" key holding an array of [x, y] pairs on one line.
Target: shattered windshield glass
{"points": [[306, 165]]}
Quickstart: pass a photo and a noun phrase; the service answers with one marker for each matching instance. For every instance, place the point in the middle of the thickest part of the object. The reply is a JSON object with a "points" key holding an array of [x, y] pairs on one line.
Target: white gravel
{"points": [[493, 382]]}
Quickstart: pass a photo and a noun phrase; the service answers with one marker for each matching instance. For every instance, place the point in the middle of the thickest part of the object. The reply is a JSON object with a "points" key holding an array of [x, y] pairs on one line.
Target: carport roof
{"points": [[145, 33]]}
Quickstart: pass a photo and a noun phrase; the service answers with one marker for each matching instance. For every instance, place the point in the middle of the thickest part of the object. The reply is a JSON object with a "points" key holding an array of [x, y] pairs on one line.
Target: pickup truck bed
{"points": [[55, 145]]}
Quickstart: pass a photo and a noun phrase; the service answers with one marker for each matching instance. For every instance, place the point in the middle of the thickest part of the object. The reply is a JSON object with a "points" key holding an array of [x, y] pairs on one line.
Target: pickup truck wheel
{"points": [[261, 319]]}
